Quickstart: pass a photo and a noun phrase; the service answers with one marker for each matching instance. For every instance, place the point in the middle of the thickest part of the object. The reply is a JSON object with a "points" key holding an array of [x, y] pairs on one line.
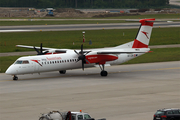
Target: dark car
{"points": [[167, 114]]}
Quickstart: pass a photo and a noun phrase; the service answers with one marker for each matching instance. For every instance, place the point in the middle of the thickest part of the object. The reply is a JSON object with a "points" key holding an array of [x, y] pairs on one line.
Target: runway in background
{"points": [[31, 28]]}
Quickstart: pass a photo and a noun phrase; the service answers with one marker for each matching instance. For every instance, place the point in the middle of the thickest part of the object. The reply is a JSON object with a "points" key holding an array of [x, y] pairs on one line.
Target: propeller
{"points": [[82, 56], [41, 50]]}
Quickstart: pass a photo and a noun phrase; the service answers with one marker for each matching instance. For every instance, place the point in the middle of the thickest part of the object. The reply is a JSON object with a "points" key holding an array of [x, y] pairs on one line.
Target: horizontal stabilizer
{"points": [[147, 21]]}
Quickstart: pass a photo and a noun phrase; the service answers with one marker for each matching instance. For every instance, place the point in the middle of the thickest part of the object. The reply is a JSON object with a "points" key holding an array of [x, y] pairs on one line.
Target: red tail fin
{"points": [[144, 33]]}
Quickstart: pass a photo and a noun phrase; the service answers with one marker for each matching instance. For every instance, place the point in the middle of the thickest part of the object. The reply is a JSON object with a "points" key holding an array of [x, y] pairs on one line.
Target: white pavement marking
{"points": [[16, 30], [175, 25]]}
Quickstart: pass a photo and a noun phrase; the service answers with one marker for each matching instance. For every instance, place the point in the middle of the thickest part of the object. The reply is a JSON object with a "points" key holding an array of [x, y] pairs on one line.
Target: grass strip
{"points": [[99, 38], [34, 22], [158, 55]]}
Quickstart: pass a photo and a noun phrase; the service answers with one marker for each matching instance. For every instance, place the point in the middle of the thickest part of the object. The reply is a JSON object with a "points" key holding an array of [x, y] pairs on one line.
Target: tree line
{"points": [[85, 3]]}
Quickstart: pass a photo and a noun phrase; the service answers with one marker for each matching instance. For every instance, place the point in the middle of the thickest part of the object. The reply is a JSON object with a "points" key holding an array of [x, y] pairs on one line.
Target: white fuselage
{"points": [[58, 62], [72, 59]]}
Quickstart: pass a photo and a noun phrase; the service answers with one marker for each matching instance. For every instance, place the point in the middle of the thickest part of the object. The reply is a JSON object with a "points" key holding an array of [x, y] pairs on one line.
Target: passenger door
{"points": [[176, 114]]}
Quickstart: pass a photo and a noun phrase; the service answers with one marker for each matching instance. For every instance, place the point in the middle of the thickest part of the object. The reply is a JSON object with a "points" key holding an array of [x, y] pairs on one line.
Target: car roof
{"points": [[168, 109], [78, 113]]}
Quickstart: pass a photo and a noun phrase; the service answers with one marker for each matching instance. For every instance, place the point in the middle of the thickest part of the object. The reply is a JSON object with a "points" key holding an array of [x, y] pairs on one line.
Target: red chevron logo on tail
{"points": [[145, 33]]}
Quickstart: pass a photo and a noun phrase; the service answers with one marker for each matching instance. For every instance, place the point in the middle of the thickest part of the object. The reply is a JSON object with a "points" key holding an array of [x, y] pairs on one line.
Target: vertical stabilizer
{"points": [[143, 36]]}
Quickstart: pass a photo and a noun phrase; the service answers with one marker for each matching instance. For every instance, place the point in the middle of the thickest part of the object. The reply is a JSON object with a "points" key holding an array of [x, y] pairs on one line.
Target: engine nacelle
{"points": [[100, 58]]}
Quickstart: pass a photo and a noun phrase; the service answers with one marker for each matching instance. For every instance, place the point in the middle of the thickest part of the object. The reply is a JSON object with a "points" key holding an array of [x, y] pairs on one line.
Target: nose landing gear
{"points": [[15, 77]]}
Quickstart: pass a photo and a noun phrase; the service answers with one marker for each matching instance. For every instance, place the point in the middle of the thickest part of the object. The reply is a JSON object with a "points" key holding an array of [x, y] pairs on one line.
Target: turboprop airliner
{"points": [[50, 59]]}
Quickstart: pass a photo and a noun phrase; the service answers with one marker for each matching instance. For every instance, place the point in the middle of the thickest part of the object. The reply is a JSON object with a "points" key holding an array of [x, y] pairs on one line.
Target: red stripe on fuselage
{"points": [[138, 44], [36, 62], [101, 59]]}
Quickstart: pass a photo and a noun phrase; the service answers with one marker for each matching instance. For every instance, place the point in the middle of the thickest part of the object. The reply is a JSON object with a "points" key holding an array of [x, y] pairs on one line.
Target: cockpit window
{"points": [[22, 62], [25, 62], [19, 62]]}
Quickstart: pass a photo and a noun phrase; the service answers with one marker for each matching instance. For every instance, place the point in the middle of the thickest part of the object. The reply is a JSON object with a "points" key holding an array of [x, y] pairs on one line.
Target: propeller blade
{"points": [[41, 48], [87, 61], [76, 52], [36, 50], [40, 52], [82, 65], [82, 56], [81, 49]]}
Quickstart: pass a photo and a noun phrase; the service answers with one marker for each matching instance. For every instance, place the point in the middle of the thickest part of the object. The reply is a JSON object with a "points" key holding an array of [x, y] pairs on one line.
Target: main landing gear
{"points": [[15, 77], [62, 72], [103, 72]]}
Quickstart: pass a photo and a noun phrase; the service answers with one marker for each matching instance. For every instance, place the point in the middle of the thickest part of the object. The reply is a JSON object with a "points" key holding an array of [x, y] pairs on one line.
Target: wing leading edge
{"points": [[32, 47]]}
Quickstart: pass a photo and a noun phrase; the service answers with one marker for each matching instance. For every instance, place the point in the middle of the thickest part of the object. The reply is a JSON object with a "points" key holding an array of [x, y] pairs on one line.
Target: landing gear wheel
{"points": [[104, 73], [15, 77], [62, 72]]}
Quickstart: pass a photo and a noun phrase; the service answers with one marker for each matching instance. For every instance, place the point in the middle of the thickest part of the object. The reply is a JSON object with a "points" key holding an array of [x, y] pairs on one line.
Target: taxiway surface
{"points": [[31, 28], [129, 92]]}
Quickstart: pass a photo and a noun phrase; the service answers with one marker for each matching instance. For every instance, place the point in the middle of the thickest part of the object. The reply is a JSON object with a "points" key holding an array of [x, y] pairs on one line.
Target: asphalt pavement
{"points": [[30, 28], [129, 92]]}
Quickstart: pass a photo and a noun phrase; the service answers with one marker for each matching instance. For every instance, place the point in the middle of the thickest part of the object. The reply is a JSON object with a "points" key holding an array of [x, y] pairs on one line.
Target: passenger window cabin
{"points": [[169, 112], [80, 117], [175, 111], [86, 116]]}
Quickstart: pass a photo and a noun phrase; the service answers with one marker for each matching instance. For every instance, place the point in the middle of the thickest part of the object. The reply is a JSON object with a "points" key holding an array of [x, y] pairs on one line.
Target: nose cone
{"points": [[11, 71]]}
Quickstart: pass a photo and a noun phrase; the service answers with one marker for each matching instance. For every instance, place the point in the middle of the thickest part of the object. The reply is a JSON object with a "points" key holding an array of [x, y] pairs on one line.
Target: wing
{"points": [[49, 50], [32, 47]]}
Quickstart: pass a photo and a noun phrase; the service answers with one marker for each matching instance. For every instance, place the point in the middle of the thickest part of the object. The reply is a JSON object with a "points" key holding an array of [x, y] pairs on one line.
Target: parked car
{"points": [[167, 114]]}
